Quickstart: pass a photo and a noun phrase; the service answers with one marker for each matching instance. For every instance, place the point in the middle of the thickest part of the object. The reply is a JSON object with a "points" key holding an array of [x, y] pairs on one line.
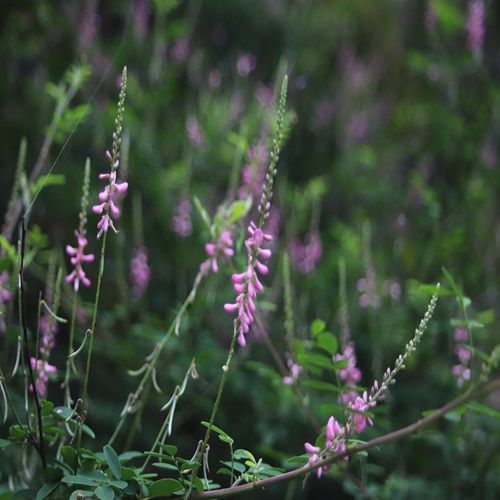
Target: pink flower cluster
{"points": [[475, 26], [181, 220], [368, 286], [334, 443], [139, 272], [4, 296], [247, 284], [350, 374], [43, 370], [108, 198], [78, 257], [462, 370], [222, 247], [335, 440], [295, 370], [305, 257]]}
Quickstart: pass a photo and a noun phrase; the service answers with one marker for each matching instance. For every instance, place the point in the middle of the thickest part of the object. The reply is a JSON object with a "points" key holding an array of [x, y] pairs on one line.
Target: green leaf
{"points": [[237, 466], [113, 461], [226, 439], [239, 141], [121, 485], [241, 453], [482, 409], [317, 326], [203, 213], [300, 459], [328, 342], [162, 465], [129, 455], [4, 443], [461, 323], [83, 481], [46, 490], [216, 429], [164, 487], [453, 285], [104, 493], [170, 449], [316, 360], [47, 407], [46, 181], [69, 455], [79, 494], [93, 475], [319, 384], [189, 465], [238, 210]]}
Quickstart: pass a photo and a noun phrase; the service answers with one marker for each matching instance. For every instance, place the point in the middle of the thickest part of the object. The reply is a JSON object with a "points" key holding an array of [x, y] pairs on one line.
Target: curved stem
{"points": [[472, 393]]}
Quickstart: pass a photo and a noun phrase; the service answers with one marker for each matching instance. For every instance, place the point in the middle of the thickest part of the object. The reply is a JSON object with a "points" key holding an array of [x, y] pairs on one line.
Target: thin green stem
{"points": [[83, 408], [225, 371], [69, 360]]}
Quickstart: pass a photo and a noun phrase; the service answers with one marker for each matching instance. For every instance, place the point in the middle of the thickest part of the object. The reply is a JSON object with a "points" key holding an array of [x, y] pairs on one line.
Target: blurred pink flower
{"points": [[140, 272], [246, 64], [181, 220], [180, 50], [305, 257], [194, 131], [475, 26]]}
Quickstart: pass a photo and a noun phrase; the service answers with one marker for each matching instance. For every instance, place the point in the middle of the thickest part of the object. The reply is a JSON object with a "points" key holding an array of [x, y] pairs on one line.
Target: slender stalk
{"points": [[40, 445], [225, 370], [83, 407]]}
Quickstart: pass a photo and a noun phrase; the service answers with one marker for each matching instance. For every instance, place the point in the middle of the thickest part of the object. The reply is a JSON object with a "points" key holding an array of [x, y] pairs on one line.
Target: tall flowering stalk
{"points": [[108, 196], [336, 435], [247, 283], [106, 209], [77, 253], [78, 258]]}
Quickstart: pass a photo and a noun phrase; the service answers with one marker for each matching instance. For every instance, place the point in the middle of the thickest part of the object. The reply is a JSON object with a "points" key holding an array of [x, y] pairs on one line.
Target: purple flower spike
{"points": [[78, 257], [247, 284]]}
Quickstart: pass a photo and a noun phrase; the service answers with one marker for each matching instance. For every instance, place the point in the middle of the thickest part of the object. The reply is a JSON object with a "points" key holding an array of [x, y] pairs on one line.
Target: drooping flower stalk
{"points": [[247, 283], [336, 436]]}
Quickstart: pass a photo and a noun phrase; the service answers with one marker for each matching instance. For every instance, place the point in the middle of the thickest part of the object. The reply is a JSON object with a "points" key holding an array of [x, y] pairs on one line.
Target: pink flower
{"points": [[43, 370], [194, 132], [359, 420], [305, 257], [350, 374], [475, 26], [461, 371], [223, 247], [368, 286], [295, 371], [107, 197], [181, 220], [4, 294], [78, 257], [247, 284], [139, 272], [246, 64]]}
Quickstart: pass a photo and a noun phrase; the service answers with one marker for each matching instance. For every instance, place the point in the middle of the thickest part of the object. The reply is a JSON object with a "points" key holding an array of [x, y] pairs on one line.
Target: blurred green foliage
{"points": [[393, 128]]}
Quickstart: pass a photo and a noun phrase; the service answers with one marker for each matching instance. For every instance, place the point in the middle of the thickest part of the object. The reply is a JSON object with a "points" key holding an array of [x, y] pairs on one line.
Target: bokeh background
{"points": [[390, 164]]}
